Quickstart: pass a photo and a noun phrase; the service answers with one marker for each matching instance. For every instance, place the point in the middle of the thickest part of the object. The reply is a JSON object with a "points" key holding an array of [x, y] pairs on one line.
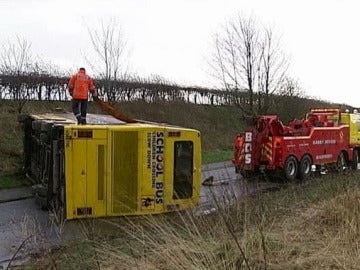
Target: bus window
{"points": [[183, 169]]}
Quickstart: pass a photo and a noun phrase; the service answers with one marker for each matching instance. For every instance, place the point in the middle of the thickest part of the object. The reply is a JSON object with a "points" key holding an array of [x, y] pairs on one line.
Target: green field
{"points": [[216, 156]]}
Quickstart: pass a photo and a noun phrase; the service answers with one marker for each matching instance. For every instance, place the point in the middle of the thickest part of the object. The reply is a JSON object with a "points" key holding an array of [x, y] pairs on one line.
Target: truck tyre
{"points": [[341, 163], [291, 168], [356, 160], [305, 167]]}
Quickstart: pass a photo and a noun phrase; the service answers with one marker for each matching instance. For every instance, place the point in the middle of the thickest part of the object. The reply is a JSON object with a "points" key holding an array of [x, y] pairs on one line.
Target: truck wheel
{"points": [[341, 163], [291, 168], [245, 174], [305, 167], [356, 160]]}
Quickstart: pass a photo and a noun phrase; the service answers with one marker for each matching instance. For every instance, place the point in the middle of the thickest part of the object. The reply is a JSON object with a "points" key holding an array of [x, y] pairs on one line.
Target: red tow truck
{"points": [[325, 138]]}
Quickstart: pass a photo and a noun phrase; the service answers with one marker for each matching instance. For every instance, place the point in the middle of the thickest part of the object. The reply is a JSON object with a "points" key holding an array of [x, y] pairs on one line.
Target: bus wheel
{"points": [[305, 167], [291, 168]]}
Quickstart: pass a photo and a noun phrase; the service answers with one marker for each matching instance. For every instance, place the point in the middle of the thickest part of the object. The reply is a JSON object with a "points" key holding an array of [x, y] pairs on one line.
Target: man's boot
{"points": [[79, 120], [83, 121]]}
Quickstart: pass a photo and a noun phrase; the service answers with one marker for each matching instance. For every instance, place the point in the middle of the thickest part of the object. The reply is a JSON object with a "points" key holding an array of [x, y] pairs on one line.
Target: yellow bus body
{"points": [[130, 169], [353, 120]]}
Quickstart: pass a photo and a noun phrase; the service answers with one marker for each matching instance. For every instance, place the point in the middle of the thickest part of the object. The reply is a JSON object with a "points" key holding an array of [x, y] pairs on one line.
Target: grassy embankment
{"points": [[215, 123], [314, 225]]}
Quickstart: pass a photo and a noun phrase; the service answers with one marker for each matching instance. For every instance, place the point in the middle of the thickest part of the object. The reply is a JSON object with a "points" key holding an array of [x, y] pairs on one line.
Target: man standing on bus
{"points": [[79, 86]]}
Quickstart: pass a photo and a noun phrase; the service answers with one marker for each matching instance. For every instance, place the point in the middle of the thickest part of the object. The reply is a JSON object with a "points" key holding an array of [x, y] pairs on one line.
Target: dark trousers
{"points": [[79, 108]]}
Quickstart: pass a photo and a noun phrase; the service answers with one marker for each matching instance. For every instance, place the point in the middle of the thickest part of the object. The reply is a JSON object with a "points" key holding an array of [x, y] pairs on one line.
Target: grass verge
{"points": [[313, 225], [13, 182], [216, 156]]}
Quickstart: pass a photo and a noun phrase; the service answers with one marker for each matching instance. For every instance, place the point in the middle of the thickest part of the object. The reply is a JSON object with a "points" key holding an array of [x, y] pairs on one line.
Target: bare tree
{"points": [[291, 99], [25, 76], [236, 58], [248, 58], [111, 50], [291, 88], [273, 68], [247, 37], [16, 60], [16, 57]]}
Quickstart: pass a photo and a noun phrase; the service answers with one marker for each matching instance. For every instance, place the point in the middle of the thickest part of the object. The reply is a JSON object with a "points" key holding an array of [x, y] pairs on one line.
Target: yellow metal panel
{"points": [[95, 174], [172, 200], [125, 172], [85, 162], [100, 134], [353, 120], [101, 163], [129, 171], [77, 179], [147, 194], [152, 179]]}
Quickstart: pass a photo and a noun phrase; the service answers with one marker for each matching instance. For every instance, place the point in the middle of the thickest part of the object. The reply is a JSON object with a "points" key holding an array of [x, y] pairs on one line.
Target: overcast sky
{"points": [[173, 38]]}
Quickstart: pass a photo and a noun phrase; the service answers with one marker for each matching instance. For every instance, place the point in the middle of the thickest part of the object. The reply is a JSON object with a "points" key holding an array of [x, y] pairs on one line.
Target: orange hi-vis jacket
{"points": [[80, 84]]}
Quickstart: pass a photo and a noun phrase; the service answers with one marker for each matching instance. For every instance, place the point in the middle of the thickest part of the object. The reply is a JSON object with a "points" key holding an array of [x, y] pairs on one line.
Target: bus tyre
{"points": [[43, 138], [291, 168], [305, 167], [46, 127]]}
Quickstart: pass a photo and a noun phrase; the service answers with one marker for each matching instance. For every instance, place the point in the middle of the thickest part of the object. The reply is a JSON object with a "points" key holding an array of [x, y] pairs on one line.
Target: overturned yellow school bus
{"points": [[111, 168]]}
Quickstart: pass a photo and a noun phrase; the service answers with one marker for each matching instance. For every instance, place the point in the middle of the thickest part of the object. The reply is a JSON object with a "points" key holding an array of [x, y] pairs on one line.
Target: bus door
{"points": [[182, 168], [86, 172]]}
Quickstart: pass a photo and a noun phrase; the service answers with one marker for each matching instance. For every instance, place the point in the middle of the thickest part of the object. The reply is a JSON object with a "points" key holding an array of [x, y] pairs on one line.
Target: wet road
{"points": [[24, 228], [23, 225], [227, 187]]}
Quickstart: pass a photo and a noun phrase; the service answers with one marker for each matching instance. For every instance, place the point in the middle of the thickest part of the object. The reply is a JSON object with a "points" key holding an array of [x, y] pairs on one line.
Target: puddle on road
{"points": [[228, 187]]}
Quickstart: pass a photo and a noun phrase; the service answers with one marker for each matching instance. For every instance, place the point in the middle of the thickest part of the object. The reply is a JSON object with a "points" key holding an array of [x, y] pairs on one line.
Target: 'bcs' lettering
{"points": [[248, 159], [248, 137], [248, 147]]}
